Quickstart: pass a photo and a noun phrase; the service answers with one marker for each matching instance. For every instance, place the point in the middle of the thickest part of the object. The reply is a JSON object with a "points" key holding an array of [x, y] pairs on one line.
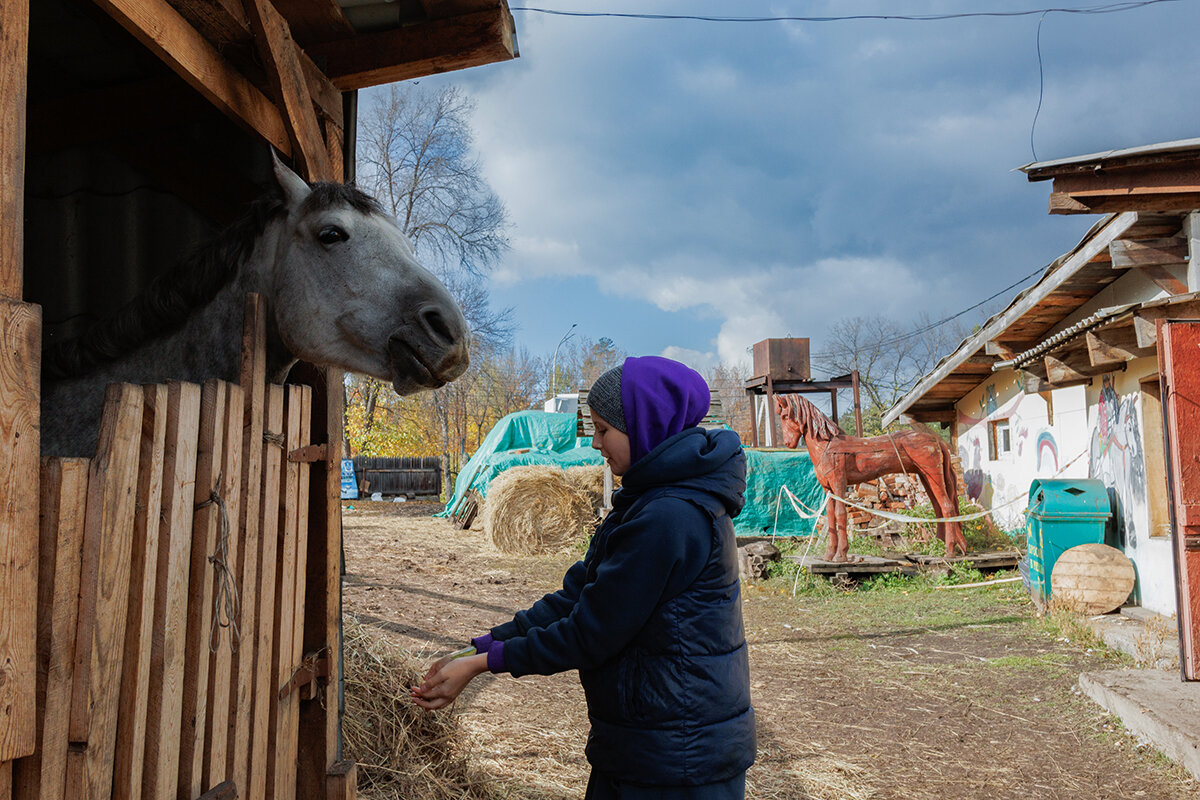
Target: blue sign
{"points": [[349, 485]]}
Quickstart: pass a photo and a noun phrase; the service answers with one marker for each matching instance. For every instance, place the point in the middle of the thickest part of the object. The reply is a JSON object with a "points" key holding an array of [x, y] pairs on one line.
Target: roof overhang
{"points": [[1159, 177], [1029, 334]]}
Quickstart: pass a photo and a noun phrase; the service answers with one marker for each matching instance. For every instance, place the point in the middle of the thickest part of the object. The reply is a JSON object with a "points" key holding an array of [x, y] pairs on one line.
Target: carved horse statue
{"points": [[841, 461], [341, 286]]}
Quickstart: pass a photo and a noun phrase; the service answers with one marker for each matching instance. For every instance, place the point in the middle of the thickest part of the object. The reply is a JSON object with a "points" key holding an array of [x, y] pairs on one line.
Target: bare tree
{"points": [[890, 357], [729, 382], [415, 156]]}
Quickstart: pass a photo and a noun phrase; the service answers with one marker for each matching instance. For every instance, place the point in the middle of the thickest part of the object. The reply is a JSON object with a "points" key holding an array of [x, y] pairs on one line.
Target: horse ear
{"points": [[293, 186]]}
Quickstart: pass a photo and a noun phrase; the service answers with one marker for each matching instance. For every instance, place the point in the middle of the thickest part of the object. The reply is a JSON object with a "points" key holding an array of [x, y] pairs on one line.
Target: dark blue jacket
{"points": [[652, 619]]}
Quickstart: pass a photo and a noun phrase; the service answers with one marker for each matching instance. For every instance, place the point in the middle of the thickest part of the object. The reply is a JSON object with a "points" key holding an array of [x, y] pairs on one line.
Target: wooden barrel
{"points": [[1092, 579]]}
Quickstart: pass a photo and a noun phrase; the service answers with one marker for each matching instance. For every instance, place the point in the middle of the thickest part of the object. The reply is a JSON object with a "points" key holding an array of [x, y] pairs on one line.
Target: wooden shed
{"points": [[128, 128]]}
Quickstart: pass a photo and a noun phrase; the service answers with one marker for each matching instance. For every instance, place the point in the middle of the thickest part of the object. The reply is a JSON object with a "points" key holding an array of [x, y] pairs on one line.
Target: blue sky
{"points": [[689, 188]]}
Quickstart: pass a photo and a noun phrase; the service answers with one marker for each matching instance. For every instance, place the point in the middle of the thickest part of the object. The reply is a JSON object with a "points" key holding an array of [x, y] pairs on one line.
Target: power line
{"points": [[940, 322], [1109, 8]]}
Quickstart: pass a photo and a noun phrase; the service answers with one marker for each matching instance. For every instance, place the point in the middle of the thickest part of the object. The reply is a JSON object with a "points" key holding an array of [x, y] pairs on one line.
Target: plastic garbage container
{"points": [[1061, 514]]}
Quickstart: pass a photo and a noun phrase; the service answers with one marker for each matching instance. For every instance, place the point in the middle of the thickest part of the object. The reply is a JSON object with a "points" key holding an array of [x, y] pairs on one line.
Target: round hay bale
{"points": [[535, 510]]}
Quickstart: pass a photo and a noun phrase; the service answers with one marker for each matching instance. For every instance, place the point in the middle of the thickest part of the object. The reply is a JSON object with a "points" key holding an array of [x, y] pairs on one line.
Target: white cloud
{"points": [[701, 362]]}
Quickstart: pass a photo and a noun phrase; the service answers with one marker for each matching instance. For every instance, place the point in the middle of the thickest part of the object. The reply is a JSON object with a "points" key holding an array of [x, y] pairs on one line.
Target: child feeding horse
{"points": [[841, 461]]}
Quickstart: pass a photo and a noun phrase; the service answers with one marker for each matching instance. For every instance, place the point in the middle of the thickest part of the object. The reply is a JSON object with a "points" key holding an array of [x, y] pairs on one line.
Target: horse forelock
{"points": [[330, 195], [169, 299]]}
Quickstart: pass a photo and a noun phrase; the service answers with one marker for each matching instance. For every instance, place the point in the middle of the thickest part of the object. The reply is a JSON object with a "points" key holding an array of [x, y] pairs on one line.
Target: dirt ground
{"points": [[867, 694]]}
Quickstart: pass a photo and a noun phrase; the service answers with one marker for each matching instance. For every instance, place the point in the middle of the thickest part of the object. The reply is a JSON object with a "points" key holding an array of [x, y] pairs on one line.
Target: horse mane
{"points": [[168, 301], [819, 426]]}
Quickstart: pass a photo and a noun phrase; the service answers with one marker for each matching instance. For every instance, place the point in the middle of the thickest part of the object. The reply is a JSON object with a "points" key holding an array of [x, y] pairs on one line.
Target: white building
{"points": [[1065, 382]]}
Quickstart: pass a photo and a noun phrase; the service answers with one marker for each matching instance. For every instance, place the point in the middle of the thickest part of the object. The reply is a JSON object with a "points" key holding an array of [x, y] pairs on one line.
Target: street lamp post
{"points": [[554, 360]]}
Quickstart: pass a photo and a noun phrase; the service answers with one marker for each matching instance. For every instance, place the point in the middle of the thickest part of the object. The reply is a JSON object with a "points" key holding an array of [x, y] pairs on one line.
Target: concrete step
{"points": [[1151, 639], [1155, 705]]}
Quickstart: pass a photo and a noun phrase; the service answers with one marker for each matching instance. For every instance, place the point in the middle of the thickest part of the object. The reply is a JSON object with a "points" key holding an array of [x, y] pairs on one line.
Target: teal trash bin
{"points": [[1062, 513]]}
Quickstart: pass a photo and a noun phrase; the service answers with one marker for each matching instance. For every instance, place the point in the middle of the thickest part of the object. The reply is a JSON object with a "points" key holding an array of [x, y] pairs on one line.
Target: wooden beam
{"points": [[181, 47], [225, 25], [20, 373], [1067, 370], [14, 67], [280, 55], [995, 348], [1170, 252], [1144, 318], [428, 48], [1114, 346], [1061, 203], [1165, 280], [1166, 178]]}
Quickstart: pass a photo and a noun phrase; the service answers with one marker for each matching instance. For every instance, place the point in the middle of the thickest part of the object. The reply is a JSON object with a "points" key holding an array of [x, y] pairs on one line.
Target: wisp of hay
{"points": [[535, 510], [402, 750]]}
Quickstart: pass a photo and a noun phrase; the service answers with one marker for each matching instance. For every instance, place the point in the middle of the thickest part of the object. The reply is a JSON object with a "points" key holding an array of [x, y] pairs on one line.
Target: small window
{"points": [[999, 439]]}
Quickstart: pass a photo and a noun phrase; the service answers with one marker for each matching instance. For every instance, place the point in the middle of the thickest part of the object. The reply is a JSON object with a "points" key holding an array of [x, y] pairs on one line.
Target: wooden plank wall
{"points": [[173, 652]]}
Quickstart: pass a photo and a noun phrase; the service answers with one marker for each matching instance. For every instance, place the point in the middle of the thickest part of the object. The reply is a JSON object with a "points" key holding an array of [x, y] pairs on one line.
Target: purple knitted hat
{"points": [[660, 398]]}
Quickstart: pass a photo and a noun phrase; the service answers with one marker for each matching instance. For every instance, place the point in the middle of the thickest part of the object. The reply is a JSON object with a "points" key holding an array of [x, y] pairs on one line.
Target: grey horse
{"points": [[342, 287]]}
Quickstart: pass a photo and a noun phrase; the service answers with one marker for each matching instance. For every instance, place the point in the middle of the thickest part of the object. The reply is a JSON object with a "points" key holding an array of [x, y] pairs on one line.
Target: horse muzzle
{"points": [[430, 353]]}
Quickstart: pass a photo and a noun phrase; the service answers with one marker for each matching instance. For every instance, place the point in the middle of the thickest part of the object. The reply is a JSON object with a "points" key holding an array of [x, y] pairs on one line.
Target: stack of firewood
{"points": [[886, 493]]}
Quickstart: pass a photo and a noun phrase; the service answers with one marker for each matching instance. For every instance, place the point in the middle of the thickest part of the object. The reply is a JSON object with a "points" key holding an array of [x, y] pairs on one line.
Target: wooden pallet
{"points": [[981, 561], [861, 567]]}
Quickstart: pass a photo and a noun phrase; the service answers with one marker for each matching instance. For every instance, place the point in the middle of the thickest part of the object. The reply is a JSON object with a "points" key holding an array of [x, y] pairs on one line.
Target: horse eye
{"points": [[332, 235]]}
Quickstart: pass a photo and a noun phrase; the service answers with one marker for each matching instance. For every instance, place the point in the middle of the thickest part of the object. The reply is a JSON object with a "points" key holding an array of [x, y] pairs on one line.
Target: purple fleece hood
{"points": [[660, 398]]}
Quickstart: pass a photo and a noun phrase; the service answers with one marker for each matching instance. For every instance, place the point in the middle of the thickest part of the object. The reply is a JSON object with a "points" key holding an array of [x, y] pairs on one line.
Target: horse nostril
{"points": [[436, 325]]}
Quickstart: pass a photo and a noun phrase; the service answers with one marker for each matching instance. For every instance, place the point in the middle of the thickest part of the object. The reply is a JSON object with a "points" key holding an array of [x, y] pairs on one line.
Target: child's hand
{"points": [[446, 680]]}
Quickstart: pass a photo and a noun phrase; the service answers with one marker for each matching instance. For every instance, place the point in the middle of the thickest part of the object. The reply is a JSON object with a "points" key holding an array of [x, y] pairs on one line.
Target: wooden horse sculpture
{"points": [[841, 461]]}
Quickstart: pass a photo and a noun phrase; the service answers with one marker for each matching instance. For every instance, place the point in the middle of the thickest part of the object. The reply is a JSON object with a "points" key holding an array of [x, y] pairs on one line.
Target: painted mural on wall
{"points": [[1117, 458]]}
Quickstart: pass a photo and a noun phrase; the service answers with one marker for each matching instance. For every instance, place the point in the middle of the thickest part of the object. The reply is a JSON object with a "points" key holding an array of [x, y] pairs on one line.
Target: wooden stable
{"points": [[120, 672]]}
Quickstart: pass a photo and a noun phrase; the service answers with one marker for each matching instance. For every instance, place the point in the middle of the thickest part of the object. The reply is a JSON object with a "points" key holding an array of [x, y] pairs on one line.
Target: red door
{"points": [[1179, 371]]}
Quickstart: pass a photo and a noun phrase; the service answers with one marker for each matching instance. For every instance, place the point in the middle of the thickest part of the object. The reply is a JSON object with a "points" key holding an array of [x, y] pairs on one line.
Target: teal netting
{"points": [[520, 439], [766, 472]]}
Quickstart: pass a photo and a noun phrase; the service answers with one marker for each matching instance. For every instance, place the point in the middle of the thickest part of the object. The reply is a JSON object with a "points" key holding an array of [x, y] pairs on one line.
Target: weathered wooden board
{"points": [[322, 613], [168, 647], [861, 566], [14, 68], [243, 664], [342, 781], [264, 695], [135, 683], [42, 776], [298, 506], [206, 526], [225, 636], [104, 586], [281, 778], [20, 337], [1092, 578]]}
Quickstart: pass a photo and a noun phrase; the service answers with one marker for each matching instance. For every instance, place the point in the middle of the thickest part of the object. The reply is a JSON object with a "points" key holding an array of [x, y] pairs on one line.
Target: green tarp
{"points": [[766, 472], [540, 437], [520, 439]]}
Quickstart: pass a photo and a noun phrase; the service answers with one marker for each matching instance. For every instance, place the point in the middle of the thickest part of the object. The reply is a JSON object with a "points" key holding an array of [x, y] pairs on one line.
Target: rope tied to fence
{"points": [[226, 601], [277, 439]]}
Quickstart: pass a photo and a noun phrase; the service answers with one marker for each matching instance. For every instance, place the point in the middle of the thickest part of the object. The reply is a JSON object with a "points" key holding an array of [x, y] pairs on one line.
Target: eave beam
{"points": [[1114, 346], [280, 54], [429, 48]]}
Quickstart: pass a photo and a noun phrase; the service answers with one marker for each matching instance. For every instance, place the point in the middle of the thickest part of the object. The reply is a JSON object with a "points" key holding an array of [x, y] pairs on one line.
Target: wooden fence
{"points": [[171, 599]]}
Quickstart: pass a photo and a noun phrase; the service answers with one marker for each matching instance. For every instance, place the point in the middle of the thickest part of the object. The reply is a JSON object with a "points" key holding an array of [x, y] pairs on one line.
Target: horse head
{"points": [[801, 419], [793, 428], [346, 289]]}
